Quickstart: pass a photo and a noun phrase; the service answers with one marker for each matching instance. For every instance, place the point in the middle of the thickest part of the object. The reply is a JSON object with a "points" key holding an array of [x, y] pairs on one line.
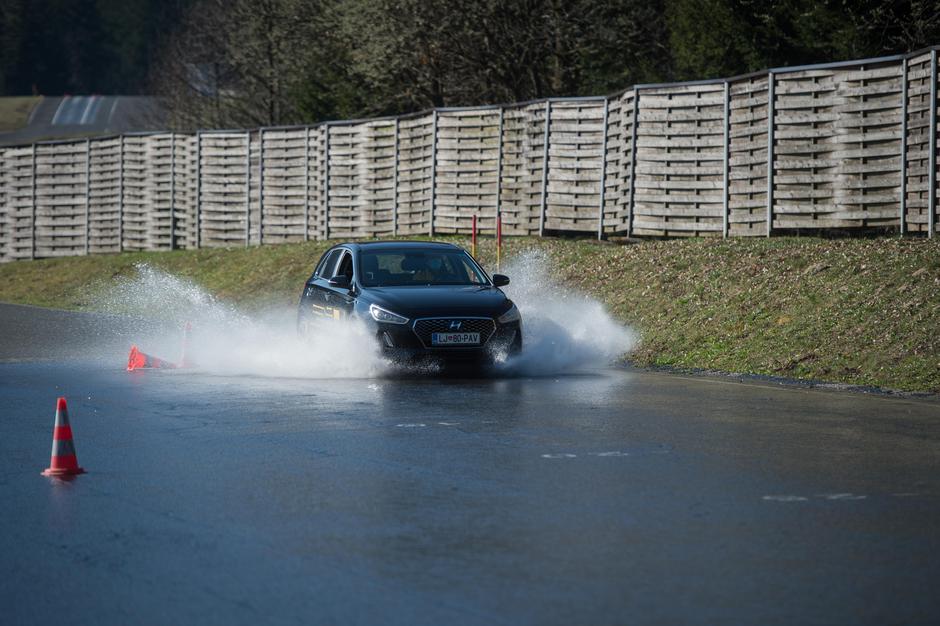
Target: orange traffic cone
{"points": [[64, 462], [138, 360]]}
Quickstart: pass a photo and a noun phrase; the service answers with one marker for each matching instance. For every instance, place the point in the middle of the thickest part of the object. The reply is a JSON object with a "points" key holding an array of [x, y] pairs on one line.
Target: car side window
{"points": [[321, 264], [325, 269], [345, 267]]}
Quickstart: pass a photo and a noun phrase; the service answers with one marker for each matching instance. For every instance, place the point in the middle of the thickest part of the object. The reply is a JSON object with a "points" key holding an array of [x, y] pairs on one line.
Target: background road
{"points": [[609, 497]]}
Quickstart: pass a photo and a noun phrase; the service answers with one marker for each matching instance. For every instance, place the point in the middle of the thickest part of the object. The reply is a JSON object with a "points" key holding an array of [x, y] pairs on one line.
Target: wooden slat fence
{"points": [[467, 175], [223, 188], [104, 189], [680, 161], [848, 145]]}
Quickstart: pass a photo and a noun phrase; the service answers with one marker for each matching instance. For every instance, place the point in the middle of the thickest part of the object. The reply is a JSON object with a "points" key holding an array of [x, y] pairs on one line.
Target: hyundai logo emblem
{"points": [[455, 325]]}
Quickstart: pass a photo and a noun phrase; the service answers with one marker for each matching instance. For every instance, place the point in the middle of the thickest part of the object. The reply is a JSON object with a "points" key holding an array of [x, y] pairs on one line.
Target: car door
{"points": [[342, 300], [317, 292]]}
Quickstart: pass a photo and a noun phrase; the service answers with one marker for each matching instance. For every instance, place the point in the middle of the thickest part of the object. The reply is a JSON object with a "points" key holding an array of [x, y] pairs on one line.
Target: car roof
{"points": [[378, 245]]}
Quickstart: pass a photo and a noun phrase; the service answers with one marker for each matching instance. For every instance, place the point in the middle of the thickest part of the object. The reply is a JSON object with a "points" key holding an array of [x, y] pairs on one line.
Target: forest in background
{"points": [[244, 63]]}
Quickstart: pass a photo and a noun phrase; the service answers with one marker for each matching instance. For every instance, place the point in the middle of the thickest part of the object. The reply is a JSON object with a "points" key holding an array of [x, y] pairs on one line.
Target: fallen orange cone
{"points": [[139, 360], [64, 462]]}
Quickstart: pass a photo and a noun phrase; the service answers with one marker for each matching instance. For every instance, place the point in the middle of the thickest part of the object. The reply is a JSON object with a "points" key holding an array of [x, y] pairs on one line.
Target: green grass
{"points": [[14, 111], [858, 311]]}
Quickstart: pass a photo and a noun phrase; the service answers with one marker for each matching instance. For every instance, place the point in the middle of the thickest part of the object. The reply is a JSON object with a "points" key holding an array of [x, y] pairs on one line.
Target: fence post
{"points": [[433, 170], [633, 151], [546, 139], [87, 195], [247, 189], [172, 191], [903, 199], [770, 151], [198, 189], [726, 156], [600, 204], [261, 186], [121, 194], [32, 221], [932, 143], [395, 183], [499, 165], [326, 183], [306, 183]]}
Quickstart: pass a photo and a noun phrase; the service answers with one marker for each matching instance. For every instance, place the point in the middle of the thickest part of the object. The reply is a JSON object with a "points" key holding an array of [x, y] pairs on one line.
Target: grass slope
{"points": [[858, 311]]}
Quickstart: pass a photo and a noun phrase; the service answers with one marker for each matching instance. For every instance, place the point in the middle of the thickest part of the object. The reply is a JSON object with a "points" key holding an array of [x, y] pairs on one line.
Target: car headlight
{"points": [[512, 315], [381, 315]]}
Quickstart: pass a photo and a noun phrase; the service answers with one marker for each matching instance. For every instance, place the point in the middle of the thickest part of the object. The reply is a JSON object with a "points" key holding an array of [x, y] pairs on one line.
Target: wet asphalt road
{"points": [[614, 497]]}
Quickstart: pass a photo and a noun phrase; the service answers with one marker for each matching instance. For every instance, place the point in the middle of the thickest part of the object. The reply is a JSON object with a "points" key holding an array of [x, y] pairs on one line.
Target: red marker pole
{"points": [[499, 238], [473, 238]]}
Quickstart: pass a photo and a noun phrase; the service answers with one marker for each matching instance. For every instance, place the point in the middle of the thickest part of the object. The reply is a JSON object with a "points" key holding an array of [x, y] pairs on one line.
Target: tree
{"points": [[890, 27], [413, 54], [81, 46], [710, 38], [243, 63], [12, 33], [268, 62]]}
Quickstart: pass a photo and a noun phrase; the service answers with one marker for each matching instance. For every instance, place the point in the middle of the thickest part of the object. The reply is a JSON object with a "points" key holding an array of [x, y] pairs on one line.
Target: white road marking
{"points": [[786, 498], [840, 496], [612, 453], [560, 455], [416, 425]]}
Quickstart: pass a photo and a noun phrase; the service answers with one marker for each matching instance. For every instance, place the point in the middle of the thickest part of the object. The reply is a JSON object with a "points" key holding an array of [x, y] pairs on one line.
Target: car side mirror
{"points": [[340, 282], [500, 280]]}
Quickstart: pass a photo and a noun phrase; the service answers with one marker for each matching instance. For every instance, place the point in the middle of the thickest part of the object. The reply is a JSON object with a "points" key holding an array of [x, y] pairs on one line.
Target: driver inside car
{"points": [[418, 267]]}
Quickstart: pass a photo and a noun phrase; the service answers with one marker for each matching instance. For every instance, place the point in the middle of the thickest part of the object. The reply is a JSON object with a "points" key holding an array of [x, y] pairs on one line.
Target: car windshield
{"points": [[402, 267]]}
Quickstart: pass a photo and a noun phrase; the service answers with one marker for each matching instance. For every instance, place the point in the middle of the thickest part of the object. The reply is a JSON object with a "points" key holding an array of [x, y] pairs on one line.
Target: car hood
{"points": [[445, 301]]}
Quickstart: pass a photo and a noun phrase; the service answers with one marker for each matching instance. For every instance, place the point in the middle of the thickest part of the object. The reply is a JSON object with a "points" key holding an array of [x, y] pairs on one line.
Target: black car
{"points": [[421, 299]]}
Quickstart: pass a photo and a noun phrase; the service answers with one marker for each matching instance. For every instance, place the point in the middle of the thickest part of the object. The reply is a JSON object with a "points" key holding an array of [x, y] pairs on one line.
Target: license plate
{"points": [[454, 339]]}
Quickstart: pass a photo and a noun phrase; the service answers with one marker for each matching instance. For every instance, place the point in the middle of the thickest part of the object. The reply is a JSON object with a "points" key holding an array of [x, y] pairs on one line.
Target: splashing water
{"points": [[225, 340], [563, 331]]}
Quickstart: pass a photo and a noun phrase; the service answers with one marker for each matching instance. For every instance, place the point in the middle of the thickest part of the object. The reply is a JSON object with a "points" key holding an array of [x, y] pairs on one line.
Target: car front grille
{"points": [[483, 325]]}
